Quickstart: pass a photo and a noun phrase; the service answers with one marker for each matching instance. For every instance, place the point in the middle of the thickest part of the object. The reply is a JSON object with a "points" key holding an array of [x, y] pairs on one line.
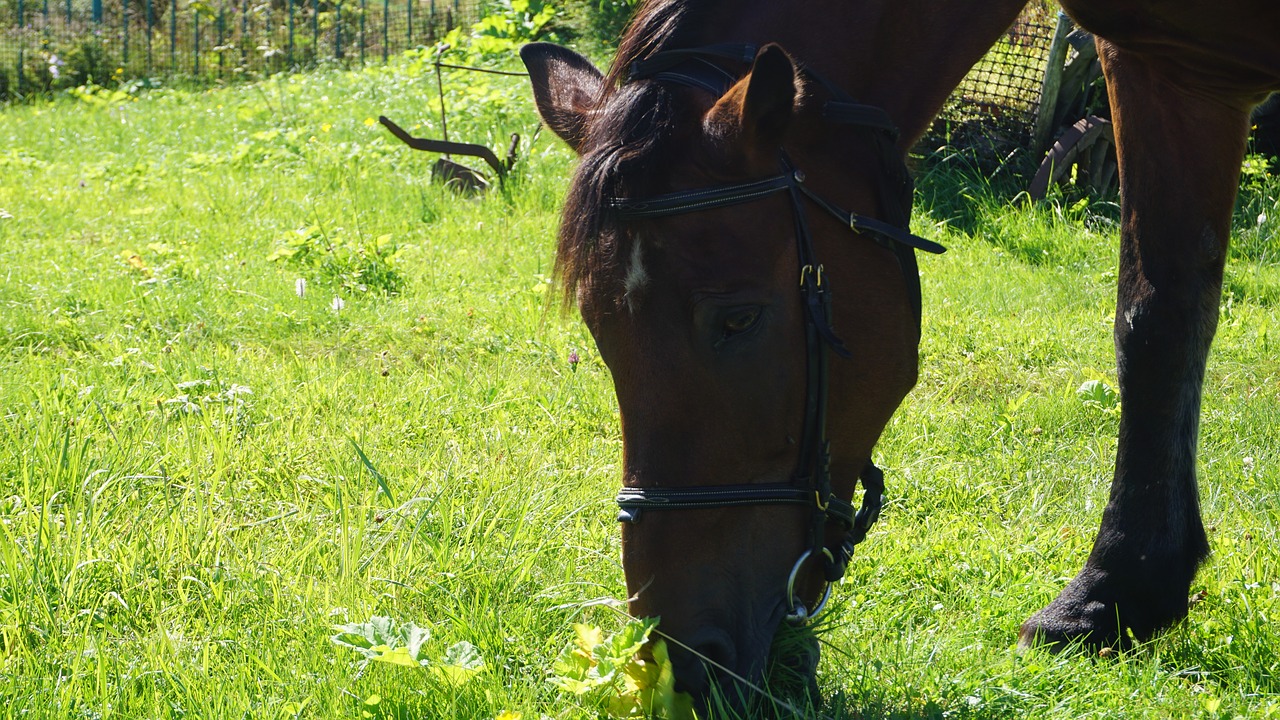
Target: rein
{"points": [[811, 483]]}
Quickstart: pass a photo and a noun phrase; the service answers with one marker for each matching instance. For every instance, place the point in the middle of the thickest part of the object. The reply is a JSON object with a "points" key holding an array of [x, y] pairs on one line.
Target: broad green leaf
{"points": [[384, 640], [396, 656], [587, 638], [1097, 393], [461, 662]]}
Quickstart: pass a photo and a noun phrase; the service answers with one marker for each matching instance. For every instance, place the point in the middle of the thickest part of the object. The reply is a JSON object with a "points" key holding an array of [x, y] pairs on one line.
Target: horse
{"points": [[735, 237]]}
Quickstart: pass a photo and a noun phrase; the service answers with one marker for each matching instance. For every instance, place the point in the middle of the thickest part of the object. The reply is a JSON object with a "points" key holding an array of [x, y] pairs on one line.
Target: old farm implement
{"points": [[445, 169]]}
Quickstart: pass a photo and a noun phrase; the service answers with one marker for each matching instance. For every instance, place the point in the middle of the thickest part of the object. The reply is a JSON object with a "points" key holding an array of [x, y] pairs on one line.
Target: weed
{"points": [[367, 266]]}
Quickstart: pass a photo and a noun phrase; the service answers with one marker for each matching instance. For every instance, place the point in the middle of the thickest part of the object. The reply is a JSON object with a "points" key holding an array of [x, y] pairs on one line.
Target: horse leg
{"points": [[1180, 145]]}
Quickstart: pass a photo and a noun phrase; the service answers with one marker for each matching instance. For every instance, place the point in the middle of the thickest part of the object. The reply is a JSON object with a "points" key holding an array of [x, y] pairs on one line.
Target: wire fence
{"points": [[48, 44], [995, 107]]}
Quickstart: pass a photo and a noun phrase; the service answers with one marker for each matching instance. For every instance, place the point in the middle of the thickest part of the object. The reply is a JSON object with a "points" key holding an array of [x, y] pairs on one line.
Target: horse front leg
{"points": [[1180, 145]]}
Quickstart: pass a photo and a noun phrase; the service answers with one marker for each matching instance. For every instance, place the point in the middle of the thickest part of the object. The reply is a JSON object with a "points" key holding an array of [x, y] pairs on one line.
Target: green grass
{"points": [[184, 514]]}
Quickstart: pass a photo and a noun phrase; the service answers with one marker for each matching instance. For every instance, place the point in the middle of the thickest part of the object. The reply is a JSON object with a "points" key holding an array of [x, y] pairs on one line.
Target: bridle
{"points": [[811, 483]]}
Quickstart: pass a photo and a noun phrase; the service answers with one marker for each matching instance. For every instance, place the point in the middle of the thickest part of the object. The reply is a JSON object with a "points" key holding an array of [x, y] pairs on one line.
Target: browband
{"points": [[684, 201]]}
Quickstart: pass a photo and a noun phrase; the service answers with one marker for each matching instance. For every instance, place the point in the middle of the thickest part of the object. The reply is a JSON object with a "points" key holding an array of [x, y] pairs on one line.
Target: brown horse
{"points": [[718, 169]]}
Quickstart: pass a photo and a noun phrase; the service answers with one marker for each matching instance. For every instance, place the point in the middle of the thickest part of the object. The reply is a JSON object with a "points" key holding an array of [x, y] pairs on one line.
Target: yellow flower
{"points": [[325, 127], [508, 715], [368, 122]]}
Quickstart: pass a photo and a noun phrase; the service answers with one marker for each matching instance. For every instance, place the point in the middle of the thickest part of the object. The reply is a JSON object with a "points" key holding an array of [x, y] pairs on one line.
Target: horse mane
{"points": [[634, 123]]}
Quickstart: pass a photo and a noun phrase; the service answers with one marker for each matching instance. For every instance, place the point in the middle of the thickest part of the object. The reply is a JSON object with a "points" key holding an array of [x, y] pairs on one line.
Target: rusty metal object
{"points": [[1084, 156], [455, 175]]}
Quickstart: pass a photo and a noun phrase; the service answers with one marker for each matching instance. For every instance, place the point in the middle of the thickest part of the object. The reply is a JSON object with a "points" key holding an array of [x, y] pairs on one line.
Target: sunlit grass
{"points": [[184, 515]]}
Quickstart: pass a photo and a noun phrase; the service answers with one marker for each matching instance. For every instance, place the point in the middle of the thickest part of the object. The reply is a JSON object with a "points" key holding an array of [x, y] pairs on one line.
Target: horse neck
{"points": [[905, 56]]}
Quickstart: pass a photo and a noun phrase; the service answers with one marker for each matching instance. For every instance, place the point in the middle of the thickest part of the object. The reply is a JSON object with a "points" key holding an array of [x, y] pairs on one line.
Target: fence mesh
{"points": [[55, 44], [994, 108], [46, 44]]}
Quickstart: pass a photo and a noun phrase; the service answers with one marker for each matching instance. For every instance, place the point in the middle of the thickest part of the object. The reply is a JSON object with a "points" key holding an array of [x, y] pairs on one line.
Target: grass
{"points": [[204, 471]]}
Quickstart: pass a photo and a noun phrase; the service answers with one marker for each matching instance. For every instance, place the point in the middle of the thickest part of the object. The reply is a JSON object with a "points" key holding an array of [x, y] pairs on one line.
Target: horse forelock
{"points": [[628, 147], [628, 139]]}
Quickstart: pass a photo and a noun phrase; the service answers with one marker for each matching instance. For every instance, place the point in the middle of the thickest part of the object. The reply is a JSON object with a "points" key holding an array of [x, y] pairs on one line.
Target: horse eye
{"points": [[741, 321]]}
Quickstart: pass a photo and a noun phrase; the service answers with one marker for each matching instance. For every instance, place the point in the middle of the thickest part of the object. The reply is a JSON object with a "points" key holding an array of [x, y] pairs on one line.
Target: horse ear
{"points": [[771, 94], [759, 113], [565, 88]]}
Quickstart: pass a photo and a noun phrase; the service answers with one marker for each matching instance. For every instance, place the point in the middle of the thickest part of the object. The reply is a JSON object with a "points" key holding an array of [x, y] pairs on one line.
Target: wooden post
{"points": [[1052, 81]]}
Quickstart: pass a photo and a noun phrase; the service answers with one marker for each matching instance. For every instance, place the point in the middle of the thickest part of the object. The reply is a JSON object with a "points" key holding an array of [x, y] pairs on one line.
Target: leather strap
{"points": [[684, 201], [634, 500]]}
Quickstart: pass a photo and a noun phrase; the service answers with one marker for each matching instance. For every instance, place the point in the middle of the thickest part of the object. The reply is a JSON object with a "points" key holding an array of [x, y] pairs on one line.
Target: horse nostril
{"points": [[717, 654], [706, 660]]}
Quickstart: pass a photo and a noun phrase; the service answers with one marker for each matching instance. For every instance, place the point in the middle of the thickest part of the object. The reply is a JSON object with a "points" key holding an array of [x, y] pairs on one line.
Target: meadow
{"points": [[261, 377]]}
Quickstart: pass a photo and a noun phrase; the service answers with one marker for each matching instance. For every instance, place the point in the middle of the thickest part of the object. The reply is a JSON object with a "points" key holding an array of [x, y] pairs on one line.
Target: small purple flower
{"points": [[574, 360]]}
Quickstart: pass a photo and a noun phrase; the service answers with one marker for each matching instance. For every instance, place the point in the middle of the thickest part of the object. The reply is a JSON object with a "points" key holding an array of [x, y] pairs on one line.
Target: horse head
{"points": [[757, 344]]}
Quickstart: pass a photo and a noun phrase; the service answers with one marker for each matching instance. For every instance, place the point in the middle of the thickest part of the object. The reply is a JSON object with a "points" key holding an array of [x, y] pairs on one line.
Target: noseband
{"points": [[811, 483]]}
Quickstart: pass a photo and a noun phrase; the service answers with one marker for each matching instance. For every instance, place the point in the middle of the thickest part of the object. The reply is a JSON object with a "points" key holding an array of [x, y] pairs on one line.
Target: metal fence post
{"points": [[337, 31], [196, 45], [151, 22], [386, 20], [244, 32], [221, 47], [315, 31], [363, 8], [173, 36], [290, 33], [124, 33], [409, 25], [97, 11], [22, 60]]}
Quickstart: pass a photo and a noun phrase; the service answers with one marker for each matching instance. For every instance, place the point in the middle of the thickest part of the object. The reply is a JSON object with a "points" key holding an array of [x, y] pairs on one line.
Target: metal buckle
{"points": [[817, 500], [812, 270]]}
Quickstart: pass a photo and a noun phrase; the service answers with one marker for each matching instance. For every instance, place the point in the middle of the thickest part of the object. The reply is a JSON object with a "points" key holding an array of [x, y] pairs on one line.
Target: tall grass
{"points": [[204, 469]]}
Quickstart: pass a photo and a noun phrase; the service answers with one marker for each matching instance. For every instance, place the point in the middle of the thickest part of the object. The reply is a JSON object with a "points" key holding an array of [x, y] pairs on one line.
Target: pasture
{"points": [[261, 377]]}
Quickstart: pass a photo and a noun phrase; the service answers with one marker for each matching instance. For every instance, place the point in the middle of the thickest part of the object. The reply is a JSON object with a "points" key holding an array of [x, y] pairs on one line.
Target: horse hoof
{"points": [[1060, 627]]}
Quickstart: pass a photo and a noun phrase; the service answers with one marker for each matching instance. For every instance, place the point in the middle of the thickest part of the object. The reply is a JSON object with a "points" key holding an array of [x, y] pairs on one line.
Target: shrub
{"points": [[87, 62], [601, 20]]}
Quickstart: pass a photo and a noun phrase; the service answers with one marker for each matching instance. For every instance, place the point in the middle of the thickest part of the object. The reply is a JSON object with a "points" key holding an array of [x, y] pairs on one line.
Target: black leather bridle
{"points": [[811, 483]]}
